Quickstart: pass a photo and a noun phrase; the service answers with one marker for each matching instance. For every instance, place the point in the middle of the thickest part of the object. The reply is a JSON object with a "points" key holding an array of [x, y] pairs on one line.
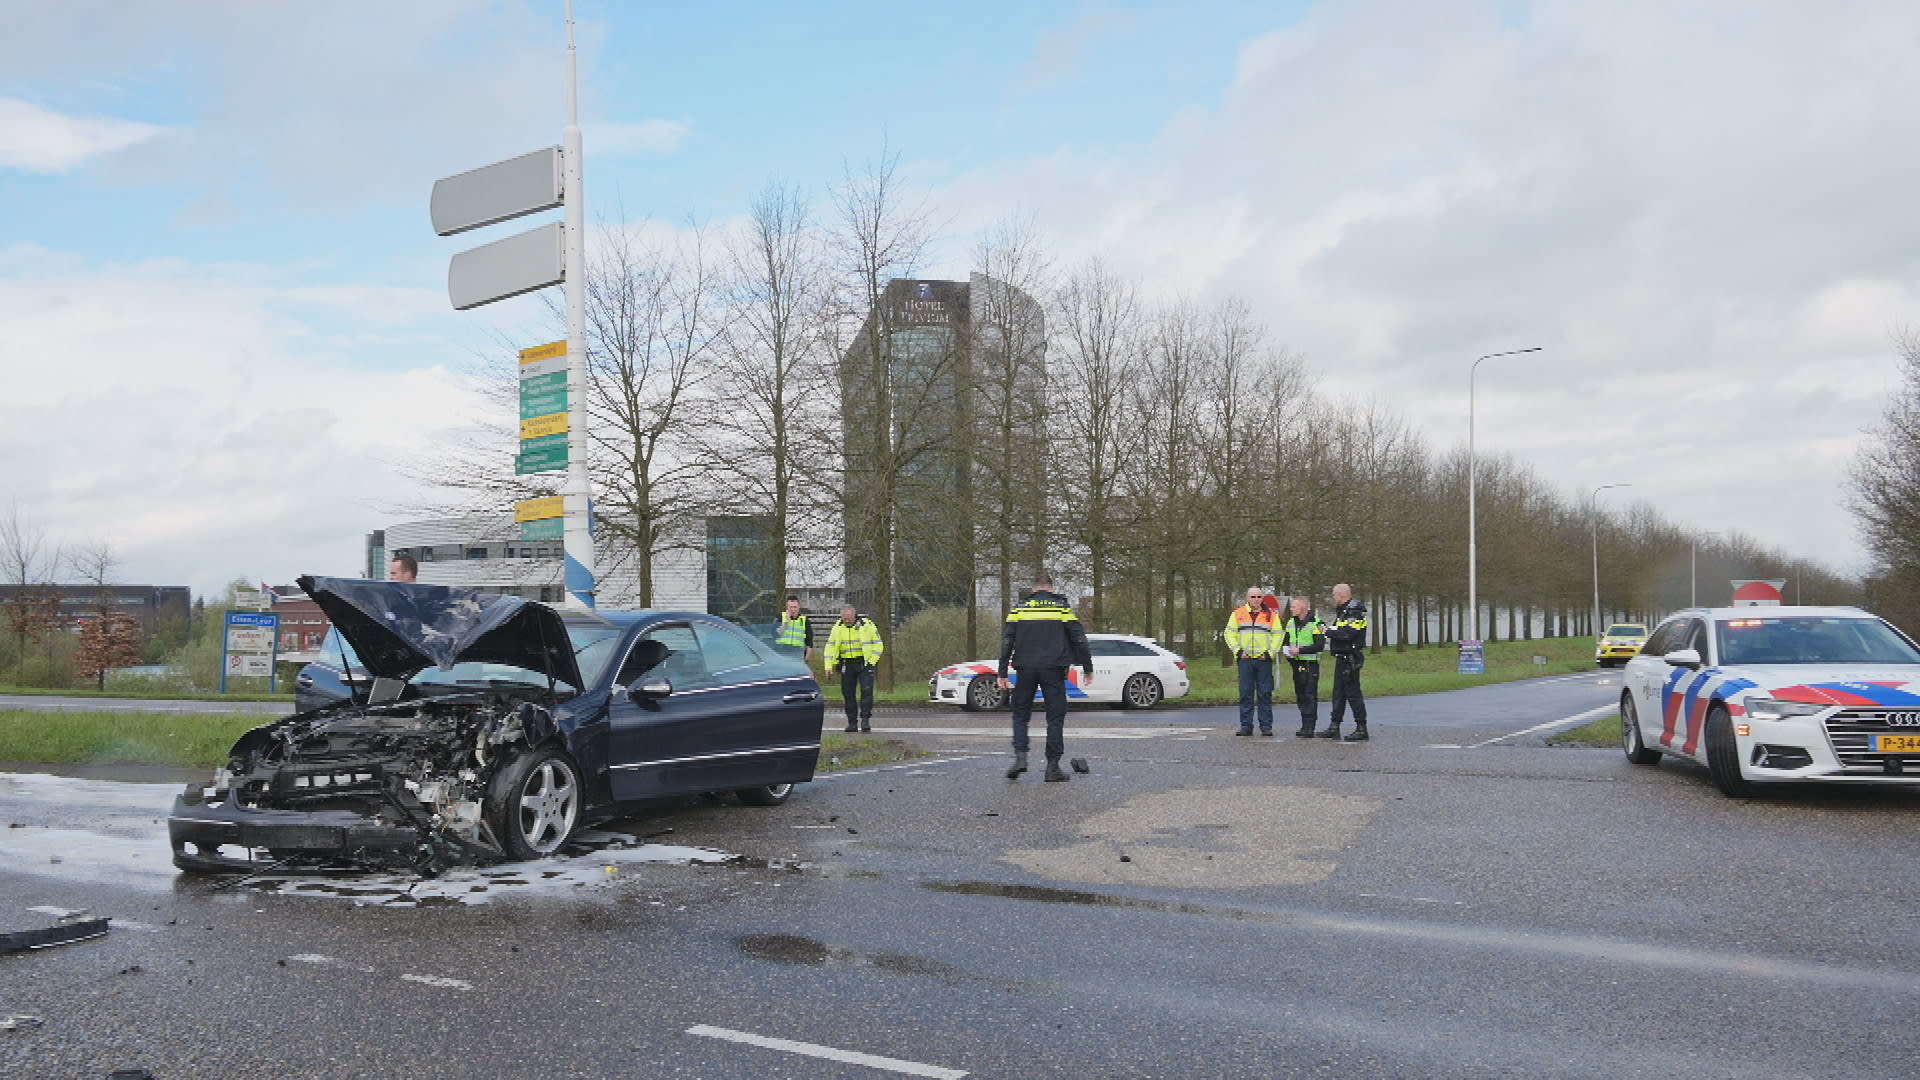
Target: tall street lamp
{"points": [[1595, 517], [1473, 539]]}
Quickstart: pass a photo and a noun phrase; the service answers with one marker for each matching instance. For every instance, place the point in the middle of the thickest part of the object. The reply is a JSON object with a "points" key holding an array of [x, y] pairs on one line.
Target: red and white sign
{"points": [[1757, 593]]}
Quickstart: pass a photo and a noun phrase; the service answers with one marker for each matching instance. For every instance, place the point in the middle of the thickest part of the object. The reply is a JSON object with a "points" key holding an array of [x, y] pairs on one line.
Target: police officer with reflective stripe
{"points": [[1250, 635], [854, 650], [1303, 638], [795, 637], [1347, 641], [1041, 640]]}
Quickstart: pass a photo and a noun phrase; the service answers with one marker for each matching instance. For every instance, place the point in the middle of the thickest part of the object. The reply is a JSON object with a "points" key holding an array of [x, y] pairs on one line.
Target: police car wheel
{"points": [[1141, 692], [984, 694], [1723, 756], [1630, 739]]}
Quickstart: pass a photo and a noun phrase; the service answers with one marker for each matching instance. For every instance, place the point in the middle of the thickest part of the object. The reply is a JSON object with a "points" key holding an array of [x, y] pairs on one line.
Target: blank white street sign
{"points": [[519, 264], [499, 192]]}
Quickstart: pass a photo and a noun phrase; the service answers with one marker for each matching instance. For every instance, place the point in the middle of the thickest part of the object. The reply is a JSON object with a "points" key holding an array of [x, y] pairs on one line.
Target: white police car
{"points": [[1765, 695], [1132, 672]]}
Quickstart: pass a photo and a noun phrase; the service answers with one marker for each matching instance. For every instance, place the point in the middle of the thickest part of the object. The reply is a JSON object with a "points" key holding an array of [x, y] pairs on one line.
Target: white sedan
{"points": [[1132, 672], [1776, 695]]}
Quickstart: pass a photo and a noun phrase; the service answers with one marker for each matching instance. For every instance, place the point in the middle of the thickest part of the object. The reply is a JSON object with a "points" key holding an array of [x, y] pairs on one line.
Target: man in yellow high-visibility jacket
{"points": [[1253, 633], [853, 649]]}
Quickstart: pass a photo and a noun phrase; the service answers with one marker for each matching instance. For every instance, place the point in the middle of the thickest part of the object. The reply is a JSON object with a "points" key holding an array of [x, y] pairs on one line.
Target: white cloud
{"points": [[1711, 233], [36, 139], [212, 422]]}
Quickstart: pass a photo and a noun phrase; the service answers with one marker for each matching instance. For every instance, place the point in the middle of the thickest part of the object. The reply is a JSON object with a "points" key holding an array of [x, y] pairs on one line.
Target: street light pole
{"points": [[1473, 539], [1595, 519]]}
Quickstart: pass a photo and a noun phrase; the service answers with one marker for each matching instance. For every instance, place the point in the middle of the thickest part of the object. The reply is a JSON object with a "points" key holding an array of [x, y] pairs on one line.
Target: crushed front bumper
{"points": [[218, 838]]}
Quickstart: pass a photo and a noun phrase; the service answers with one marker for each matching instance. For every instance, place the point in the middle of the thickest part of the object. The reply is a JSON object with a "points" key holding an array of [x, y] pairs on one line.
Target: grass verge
{"points": [[136, 691], [1602, 732], [201, 740]]}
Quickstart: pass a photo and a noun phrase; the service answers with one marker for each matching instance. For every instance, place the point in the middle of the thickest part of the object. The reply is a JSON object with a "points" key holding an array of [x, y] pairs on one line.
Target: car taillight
{"points": [[1181, 664]]}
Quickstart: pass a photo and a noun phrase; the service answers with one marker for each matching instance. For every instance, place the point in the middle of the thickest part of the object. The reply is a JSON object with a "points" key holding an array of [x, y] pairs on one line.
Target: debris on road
{"points": [[18, 1021], [65, 933]]}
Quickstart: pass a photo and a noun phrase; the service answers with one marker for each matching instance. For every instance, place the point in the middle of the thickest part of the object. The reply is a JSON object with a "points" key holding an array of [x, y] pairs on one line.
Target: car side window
{"points": [[1132, 648], [1696, 639], [729, 656], [670, 652], [1103, 647], [1661, 642]]}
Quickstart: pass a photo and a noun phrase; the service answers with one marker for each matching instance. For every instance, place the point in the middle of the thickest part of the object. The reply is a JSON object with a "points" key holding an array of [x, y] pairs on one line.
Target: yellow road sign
{"points": [[538, 426], [551, 506], [543, 352]]}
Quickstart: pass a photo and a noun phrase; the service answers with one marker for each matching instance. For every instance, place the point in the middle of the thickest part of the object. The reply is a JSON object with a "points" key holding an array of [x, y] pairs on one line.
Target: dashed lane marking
{"points": [[1575, 720], [830, 1053]]}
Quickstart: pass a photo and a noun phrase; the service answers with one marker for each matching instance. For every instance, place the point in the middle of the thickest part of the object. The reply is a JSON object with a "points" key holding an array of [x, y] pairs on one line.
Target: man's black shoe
{"points": [[1359, 735], [1268, 732], [1329, 733], [1019, 765], [1055, 775], [1304, 733], [851, 727], [1244, 731], [866, 727]]}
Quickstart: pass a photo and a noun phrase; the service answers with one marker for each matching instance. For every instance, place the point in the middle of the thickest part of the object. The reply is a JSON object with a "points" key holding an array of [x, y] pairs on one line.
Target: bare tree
{"points": [[897, 391], [1884, 485], [27, 562]]}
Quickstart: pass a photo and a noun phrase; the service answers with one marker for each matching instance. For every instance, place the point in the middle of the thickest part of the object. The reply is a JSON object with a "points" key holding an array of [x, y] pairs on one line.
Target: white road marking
{"points": [[1004, 730], [851, 1057], [893, 767], [1575, 720], [318, 960], [439, 980]]}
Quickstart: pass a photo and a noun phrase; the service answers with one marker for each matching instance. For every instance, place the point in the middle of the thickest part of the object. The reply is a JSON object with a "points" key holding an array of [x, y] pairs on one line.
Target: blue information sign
{"points": [[1473, 658]]}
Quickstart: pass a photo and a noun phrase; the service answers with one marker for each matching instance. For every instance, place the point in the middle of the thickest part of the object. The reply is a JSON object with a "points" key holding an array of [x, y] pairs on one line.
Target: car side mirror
{"points": [[649, 690], [1683, 658]]}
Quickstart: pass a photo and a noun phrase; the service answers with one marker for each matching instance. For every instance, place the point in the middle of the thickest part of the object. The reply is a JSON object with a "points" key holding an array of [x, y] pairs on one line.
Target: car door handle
{"points": [[804, 695]]}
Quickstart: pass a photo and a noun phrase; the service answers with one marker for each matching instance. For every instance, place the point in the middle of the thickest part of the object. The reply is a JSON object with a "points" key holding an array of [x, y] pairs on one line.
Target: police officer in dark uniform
{"points": [[1041, 640], [1347, 641]]}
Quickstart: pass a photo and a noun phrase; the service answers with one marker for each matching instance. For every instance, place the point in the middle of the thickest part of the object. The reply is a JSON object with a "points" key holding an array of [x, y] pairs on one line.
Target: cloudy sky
{"points": [[223, 316]]}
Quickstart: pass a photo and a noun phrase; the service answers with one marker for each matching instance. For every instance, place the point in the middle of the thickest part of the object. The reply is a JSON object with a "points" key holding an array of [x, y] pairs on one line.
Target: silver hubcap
{"points": [[1140, 692], [549, 802], [1629, 727], [779, 791]]}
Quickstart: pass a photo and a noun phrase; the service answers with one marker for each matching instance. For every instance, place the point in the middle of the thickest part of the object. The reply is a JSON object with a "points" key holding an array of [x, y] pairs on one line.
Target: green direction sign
{"points": [[545, 454], [544, 529], [543, 384], [532, 405]]}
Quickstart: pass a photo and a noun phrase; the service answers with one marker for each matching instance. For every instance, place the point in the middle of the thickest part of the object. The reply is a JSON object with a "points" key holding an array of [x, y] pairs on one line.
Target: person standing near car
{"points": [[1251, 634], [1347, 641], [1042, 639], [853, 649], [795, 636], [1303, 638]]}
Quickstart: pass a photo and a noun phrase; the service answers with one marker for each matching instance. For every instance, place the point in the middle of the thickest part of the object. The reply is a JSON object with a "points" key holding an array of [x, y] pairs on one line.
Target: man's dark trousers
{"points": [[1346, 689], [1256, 693], [856, 680], [1051, 682], [1306, 690]]}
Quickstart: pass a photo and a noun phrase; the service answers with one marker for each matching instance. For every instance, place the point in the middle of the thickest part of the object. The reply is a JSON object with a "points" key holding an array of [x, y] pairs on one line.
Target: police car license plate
{"points": [[1897, 744]]}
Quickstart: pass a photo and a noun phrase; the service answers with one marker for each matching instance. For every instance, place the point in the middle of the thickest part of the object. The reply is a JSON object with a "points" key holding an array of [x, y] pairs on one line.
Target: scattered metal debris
{"points": [[65, 933]]}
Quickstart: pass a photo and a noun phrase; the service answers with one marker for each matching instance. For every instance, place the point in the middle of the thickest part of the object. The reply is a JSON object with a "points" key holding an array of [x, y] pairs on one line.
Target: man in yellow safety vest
{"points": [[1252, 634], [853, 650], [795, 637]]}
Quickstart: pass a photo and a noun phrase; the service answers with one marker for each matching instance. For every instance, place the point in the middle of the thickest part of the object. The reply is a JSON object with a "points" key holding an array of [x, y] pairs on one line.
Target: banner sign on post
{"points": [[1473, 658], [249, 647]]}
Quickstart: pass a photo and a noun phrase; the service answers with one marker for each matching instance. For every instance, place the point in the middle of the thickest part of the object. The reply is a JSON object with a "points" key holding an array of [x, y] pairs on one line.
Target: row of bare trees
{"points": [[1161, 454], [31, 566], [1885, 488]]}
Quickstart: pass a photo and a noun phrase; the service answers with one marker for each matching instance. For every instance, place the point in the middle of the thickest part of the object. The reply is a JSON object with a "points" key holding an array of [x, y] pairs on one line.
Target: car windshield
{"points": [[1626, 630], [593, 645], [1813, 640]]}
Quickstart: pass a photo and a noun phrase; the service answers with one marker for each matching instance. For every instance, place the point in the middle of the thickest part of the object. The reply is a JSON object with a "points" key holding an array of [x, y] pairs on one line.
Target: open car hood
{"points": [[399, 628]]}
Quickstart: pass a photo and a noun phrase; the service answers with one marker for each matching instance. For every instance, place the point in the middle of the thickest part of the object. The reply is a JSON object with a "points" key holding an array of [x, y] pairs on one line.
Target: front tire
{"points": [[1142, 691], [984, 694], [534, 803], [1723, 756], [765, 795]]}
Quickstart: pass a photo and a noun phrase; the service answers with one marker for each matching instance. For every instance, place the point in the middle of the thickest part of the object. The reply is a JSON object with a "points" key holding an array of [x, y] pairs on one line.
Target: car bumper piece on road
{"points": [[225, 837]]}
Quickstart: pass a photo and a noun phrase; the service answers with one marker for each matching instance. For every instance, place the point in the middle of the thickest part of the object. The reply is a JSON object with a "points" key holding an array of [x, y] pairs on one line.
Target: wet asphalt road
{"points": [[1453, 899]]}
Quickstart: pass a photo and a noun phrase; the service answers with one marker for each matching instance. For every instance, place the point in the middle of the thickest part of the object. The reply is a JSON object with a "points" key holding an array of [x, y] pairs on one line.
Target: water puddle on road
{"points": [[807, 952]]}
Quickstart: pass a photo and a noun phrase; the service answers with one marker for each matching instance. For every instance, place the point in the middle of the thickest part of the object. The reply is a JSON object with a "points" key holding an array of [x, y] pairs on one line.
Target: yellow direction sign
{"points": [[551, 506], [539, 426], [553, 351]]}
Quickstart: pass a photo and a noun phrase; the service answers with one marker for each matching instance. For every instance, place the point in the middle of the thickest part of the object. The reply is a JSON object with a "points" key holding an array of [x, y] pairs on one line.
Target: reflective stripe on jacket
{"points": [[1044, 633], [1348, 634], [859, 641], [1251, 633]]}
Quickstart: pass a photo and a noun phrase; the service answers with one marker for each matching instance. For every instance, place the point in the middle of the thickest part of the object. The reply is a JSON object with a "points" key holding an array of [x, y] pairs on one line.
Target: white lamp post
{"points": [[1595, 518], [1473, 540]]}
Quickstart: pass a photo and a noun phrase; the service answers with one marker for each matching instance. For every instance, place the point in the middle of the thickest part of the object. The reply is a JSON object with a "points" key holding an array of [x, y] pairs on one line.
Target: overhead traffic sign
{"points": [[506, 268], [498, 192]]}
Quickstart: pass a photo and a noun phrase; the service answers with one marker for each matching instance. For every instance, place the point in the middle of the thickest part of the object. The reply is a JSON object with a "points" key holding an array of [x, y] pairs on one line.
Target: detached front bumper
{"points": [[224, 837]]}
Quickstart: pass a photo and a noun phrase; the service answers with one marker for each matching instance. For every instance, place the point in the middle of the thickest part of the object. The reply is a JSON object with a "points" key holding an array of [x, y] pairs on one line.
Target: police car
{"points": [[1763, 695], [1132, 672]]}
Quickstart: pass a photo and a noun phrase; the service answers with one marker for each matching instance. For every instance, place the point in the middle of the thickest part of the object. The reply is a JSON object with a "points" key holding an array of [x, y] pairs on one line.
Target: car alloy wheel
{"points": [[1723, 756], [765, 795], [540, 804], [984, 694], [1141, 692], [1630, 738]]}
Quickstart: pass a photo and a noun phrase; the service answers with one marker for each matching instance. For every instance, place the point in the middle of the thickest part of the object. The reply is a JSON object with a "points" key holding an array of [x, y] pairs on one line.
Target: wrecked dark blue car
{"points": [[490, 727]]}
